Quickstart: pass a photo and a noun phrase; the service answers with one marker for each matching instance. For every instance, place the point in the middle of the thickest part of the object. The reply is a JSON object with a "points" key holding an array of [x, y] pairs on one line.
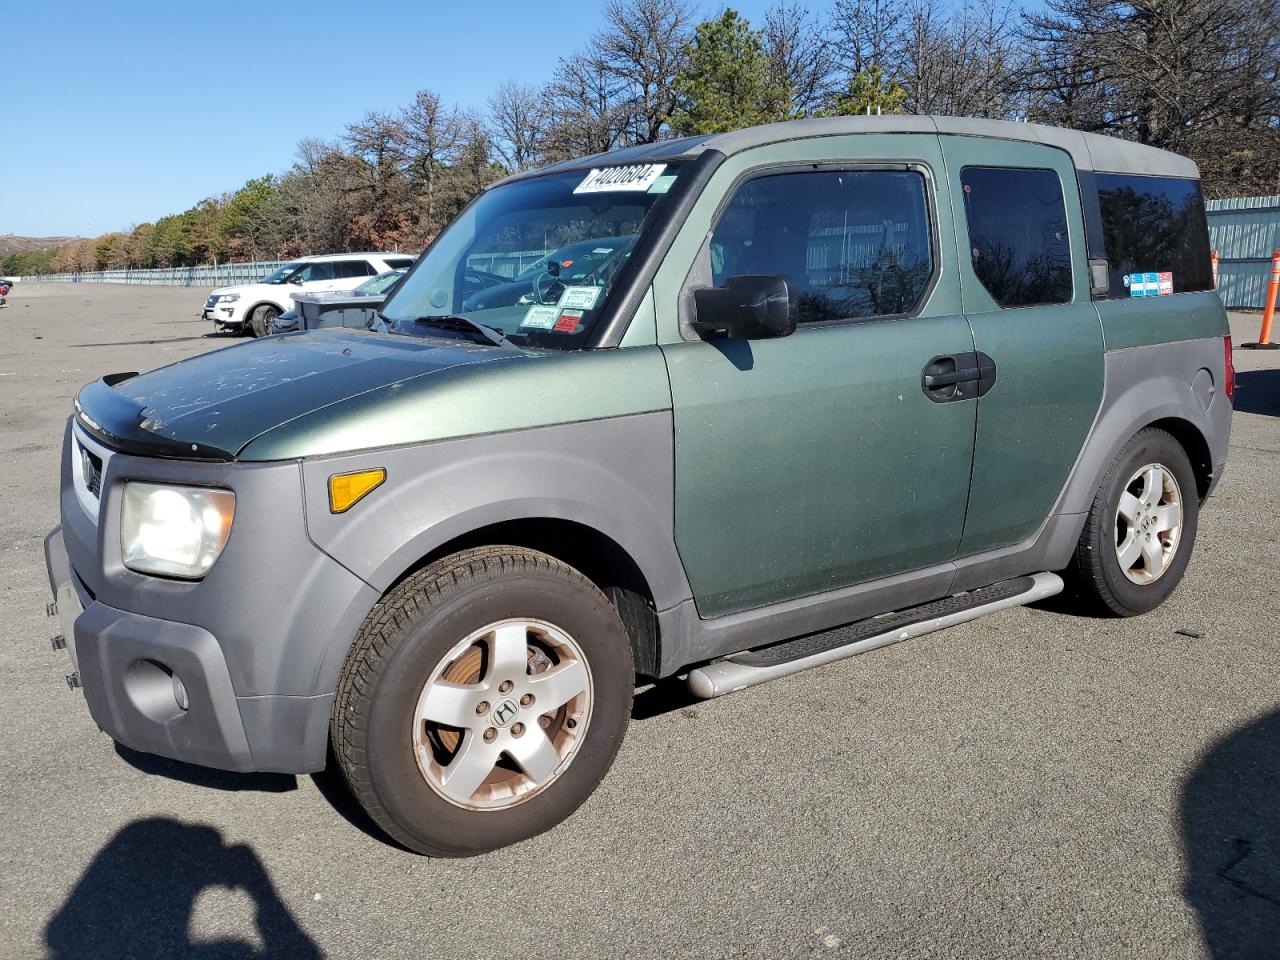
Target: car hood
{"points": [[209, 407]]}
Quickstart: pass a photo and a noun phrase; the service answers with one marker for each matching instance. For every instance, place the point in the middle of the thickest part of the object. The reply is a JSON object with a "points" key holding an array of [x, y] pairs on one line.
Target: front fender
{"points": [[615, 476]]}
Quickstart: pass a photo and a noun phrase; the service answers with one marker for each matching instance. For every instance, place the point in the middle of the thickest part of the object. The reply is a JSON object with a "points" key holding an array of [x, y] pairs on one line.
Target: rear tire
{"points": [[439, 647], [1141, 528], [263, 316]]}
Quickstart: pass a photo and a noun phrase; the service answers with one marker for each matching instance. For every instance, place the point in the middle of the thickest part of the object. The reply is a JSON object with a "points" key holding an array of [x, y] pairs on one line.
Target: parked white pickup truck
{"points": [[253, 307]]}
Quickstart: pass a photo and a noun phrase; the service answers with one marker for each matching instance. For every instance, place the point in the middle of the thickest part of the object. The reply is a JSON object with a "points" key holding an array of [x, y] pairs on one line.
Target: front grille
{"points": [[208, 304], [91, 471]]}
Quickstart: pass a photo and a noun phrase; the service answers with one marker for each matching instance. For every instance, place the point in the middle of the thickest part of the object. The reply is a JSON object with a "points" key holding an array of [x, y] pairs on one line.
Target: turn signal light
{"points": [[348, 489]]}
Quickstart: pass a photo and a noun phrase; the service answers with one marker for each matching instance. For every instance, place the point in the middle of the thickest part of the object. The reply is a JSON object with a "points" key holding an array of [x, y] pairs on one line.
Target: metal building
{"points": [[1244, 231]]}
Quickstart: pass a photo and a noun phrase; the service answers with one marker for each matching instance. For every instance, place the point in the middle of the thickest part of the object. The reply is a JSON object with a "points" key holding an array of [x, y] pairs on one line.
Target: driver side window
{"points": [[851, 244]]}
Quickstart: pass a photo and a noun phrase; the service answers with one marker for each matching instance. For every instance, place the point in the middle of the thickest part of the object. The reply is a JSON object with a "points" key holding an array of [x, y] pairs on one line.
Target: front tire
{"points": [[483, 701], [1141, 527], [263, 317]]}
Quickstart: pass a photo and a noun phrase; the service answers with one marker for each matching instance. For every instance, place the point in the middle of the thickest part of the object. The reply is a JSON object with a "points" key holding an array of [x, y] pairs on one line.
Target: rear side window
{"points": [[850, 244], [1018, 234], [1154, 225], [347, 269]]}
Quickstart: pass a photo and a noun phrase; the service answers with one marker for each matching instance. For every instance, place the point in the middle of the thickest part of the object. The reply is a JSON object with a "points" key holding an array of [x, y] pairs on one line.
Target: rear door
{"points": [[1024, 281], [349, 274], [815, 461]]}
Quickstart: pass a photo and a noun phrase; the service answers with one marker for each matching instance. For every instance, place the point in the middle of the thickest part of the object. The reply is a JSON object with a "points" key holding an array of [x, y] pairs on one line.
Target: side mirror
{"points": [[296, 279], [745, 308]]}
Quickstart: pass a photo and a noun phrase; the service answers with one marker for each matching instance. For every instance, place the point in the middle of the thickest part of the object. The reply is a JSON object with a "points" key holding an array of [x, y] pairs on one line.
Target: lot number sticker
{"points": [[636, 178], [579, 298]]}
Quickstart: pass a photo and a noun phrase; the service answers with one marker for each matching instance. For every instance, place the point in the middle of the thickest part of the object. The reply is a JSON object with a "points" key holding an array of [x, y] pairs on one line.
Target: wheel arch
{"points": [[1196, 446], [594, 554]]}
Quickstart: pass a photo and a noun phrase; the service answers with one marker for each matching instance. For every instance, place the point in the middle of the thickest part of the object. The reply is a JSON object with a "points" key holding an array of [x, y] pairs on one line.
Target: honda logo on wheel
{"points": [[505, 712]]}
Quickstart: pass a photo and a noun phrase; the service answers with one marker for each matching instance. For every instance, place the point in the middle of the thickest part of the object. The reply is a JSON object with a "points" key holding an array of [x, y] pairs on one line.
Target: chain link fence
{"points": [[216, 275], [503, 264]]}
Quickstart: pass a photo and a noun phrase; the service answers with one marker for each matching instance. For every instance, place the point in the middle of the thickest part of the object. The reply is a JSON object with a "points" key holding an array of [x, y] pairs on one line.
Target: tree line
{"points": [[1202, 79]]}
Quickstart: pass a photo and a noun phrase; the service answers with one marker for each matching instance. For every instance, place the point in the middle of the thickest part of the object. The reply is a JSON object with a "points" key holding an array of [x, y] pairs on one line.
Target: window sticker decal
{"points": [[540, 318], [635, 178], [568, 322], [663, 184], [579, 298], [1149, 284]]}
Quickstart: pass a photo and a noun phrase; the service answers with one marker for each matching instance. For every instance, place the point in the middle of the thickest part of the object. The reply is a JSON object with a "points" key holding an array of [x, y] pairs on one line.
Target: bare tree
{"points": [[869, 33], [585, 109], [429, 140], [801, 58], [962, 63], [1201, 79], [516, 122], [642, 49]]}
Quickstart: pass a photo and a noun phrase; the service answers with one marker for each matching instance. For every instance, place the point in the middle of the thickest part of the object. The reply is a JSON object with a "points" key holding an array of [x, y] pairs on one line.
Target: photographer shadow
{"points": [[137, 897], [1230, 810]]}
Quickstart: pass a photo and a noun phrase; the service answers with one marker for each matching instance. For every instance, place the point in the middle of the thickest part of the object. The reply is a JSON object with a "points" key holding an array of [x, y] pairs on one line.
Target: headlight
{"points": [[228, 297], [174, 531]]}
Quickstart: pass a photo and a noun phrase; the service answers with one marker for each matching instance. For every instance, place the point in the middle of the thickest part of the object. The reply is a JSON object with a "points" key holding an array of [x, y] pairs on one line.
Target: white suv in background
{"points": [[251, 307]]}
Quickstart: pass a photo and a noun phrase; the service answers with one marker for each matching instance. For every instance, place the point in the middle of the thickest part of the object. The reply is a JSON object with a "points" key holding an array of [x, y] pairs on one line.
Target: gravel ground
{"points": [[1033, 784]]}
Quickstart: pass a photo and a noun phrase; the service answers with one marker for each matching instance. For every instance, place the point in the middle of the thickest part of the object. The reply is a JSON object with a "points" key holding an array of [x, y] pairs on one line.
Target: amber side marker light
{"points": [[348, 489]]}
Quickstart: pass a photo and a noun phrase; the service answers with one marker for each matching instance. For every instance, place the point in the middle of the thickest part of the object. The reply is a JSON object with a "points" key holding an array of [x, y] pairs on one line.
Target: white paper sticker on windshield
{"points": [[541, 318], [638, 177], [579, 298]]}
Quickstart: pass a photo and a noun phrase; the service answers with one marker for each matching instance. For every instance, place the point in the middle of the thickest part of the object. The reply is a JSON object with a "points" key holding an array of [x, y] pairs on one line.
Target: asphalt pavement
{"points": [[1035, 784]]}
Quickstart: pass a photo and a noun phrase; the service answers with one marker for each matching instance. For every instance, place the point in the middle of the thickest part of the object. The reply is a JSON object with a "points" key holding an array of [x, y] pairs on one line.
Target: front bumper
{"points": [[164, 687], [255, 647]]}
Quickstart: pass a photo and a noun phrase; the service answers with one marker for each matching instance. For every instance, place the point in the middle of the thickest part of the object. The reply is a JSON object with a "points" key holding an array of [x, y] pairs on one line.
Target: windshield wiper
{"points": [[462, 324]]}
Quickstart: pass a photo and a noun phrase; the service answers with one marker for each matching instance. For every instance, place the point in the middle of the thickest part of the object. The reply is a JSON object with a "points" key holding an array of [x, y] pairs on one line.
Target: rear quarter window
{"points": [[1154, 225]]}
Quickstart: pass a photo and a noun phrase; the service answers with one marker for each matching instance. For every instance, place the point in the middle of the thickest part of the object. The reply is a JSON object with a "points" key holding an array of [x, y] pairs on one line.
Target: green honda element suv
{"points": [[821, 386]]}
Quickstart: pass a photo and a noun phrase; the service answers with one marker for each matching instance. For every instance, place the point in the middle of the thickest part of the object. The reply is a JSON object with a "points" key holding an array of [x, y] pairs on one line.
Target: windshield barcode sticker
{"points": [[541, 318], [579, 298], [637, 177]]}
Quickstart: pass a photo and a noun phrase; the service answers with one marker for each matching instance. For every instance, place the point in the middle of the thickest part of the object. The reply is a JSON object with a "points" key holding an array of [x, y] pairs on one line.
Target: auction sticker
{"points": [[541, 318], [579, 298], [637, 178]]}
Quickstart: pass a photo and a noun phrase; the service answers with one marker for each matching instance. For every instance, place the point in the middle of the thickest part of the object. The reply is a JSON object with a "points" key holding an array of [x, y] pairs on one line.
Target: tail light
{"points": [[1229, 377]]}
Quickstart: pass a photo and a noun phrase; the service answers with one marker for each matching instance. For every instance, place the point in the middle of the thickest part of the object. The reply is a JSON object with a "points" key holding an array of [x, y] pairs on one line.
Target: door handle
{"points": [[957, 376], [934, 380]]}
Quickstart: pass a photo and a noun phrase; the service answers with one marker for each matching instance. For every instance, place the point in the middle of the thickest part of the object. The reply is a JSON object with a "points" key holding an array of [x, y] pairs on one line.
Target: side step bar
{"points": [[746, 669]]}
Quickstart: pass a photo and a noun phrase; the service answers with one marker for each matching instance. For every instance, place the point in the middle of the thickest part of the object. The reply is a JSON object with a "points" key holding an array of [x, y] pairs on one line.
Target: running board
{"points": [[746, 669]]}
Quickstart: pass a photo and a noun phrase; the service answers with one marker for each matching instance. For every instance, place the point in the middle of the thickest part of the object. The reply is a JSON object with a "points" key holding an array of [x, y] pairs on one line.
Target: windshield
{"points": [[282, 274], [379, 284], [535, 260]]}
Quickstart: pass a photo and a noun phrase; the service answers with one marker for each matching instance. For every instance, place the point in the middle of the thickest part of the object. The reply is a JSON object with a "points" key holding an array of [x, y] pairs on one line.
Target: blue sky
{"points": [[117, 113]]}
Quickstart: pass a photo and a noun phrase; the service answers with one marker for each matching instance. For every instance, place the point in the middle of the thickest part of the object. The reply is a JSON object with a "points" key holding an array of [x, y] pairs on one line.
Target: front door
{"points": [[1024, 277], [816, 461]]}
